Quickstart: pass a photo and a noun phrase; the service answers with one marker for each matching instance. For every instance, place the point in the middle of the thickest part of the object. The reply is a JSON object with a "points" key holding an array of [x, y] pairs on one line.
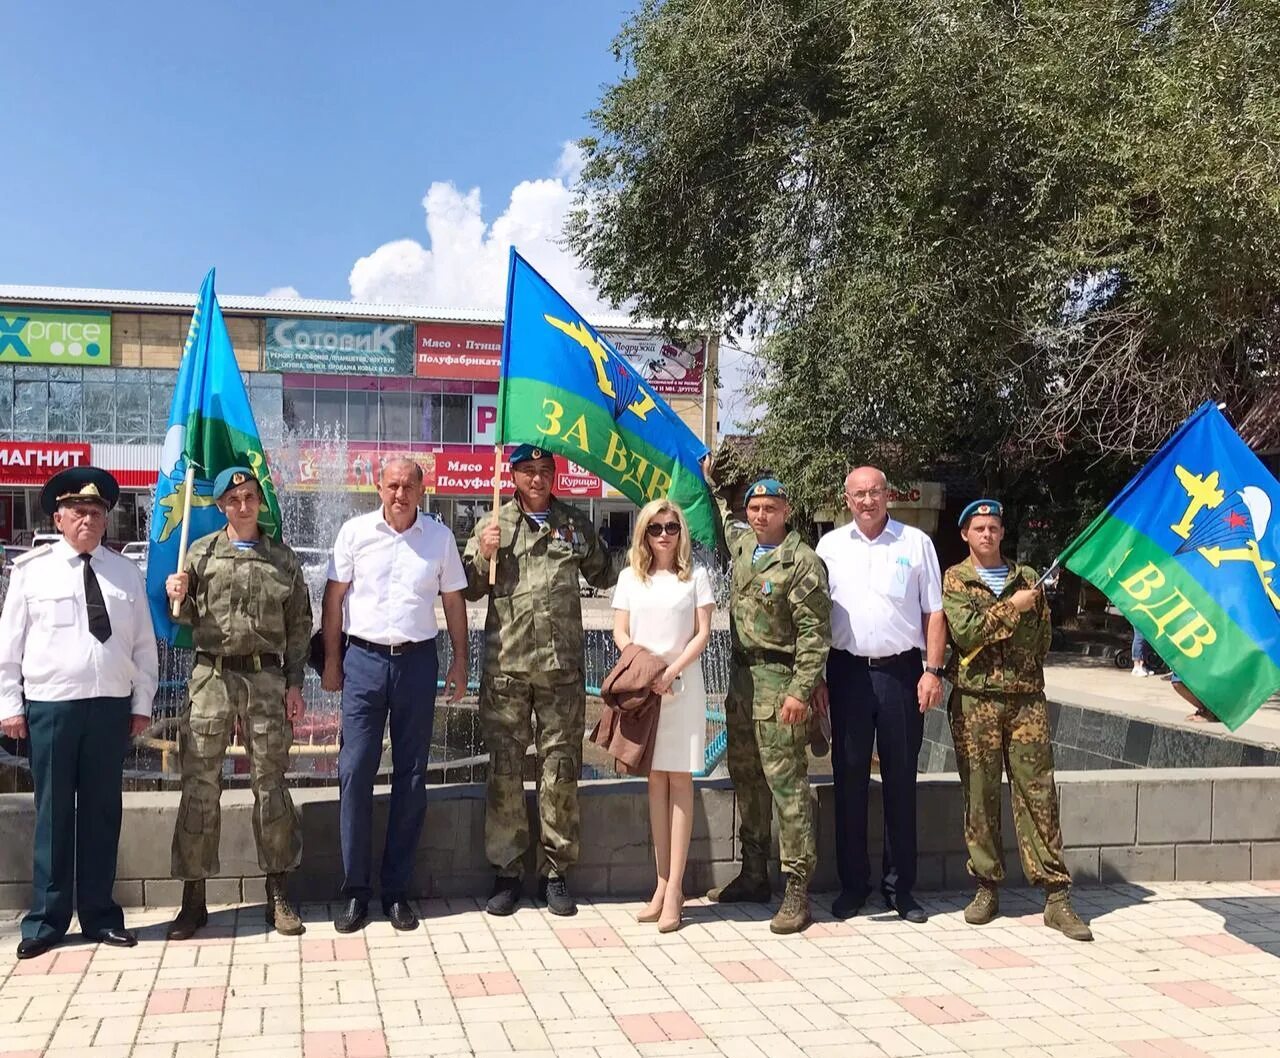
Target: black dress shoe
{"points": [[117, 938], [32, 947], [906, 906], [847, 904], [354, 914], [400, 915]]}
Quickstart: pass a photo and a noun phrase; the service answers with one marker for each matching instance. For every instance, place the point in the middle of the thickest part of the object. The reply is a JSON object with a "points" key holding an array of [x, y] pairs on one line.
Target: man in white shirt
{"points": [[387, 570], [78, 672], [886, 591]]}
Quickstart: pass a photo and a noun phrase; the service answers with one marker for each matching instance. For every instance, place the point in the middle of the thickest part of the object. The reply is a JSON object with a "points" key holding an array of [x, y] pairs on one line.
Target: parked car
{"points": [[136, 550], [40, 539]]}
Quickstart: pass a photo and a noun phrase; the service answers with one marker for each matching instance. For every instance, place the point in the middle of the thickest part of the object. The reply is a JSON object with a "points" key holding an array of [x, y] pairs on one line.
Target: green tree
{"points": [[1025, 233]]}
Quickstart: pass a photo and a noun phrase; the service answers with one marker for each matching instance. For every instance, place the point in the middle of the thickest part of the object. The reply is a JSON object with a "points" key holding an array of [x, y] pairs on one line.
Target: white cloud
{"points": [[464, 264], [282, 292]]}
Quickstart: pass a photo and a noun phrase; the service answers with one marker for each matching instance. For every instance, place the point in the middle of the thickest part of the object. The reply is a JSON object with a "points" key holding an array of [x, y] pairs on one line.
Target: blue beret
{"points": [[231, 478], [526, 452], [994, 507], [765, 487]]}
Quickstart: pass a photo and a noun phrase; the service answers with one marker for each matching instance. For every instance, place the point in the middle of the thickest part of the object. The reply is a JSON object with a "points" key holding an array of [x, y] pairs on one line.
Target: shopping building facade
{"points": [[337, 388]]}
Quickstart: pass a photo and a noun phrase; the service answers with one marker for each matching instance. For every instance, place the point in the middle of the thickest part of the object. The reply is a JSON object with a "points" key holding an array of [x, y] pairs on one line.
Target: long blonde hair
{"points": [[641, 555]]}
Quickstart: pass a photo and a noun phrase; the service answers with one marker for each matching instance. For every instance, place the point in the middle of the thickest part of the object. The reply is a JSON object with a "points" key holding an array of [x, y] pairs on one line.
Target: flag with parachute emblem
{"points": [[566, 389], [211, 426], [1188, 553]]}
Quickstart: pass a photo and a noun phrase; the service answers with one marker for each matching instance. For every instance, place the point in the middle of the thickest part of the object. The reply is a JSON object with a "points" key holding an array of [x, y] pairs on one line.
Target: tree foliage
{"points": [[1006, 228]]}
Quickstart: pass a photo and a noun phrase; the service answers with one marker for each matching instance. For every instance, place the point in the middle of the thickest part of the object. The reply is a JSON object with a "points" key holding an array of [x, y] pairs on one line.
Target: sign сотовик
{"points": [[338, 347]]}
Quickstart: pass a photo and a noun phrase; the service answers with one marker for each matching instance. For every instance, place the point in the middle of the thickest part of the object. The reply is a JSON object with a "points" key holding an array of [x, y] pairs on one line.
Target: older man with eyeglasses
{"points": [[884, 672]]}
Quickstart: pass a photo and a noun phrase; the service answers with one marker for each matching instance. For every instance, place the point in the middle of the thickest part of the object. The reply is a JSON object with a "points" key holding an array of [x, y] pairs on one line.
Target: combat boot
{"points": [[279, 911], [750, 887], [192, 915], [984, 906], [1060, 915], [793, 915]]}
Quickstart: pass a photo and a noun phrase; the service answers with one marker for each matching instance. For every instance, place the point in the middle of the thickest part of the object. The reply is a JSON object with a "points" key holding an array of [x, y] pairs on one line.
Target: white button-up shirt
{"points": [[395, 577], [880, 589], [46, 650]]}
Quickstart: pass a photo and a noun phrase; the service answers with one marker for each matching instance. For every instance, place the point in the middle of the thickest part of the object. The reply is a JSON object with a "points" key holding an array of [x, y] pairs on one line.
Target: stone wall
{"points": [[1141, 825]]}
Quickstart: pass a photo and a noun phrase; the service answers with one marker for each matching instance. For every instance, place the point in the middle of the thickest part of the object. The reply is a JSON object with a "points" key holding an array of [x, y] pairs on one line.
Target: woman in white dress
{"points": [[664, 603]]}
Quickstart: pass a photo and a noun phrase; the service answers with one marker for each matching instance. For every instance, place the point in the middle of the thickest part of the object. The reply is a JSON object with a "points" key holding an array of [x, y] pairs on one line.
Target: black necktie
{"points": [[99, 622]]}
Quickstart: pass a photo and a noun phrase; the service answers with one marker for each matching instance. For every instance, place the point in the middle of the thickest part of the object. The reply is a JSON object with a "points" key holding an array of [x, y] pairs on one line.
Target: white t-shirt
{"points": [[395, 577], [880, 589]]}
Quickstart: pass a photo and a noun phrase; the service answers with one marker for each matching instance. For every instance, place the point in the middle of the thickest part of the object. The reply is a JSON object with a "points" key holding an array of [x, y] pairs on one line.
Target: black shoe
{"points": [[354, 914], [906, 906], [847, 904], [505, 896], [400, 915], [117, 938], [555, 892], [33, 947]]}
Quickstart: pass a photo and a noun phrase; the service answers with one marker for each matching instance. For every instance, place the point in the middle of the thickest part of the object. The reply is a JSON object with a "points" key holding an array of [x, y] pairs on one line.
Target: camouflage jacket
{"points": [[248, 602], [780, 606], [1013, 644], [534, 621]]}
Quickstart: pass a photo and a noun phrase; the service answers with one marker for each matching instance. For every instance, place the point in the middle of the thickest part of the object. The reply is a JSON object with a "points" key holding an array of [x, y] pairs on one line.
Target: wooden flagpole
{"points": [[188, 485]]}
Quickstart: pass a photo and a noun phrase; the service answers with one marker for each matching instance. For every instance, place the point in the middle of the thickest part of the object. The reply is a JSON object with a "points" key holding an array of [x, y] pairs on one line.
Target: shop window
{"points": [[64, 410], [299, 410], [395, 415], [6, 401], [331, 413], [100, 410], [161, 399], [30, 406], [133, 414], [442, 418], [362, 416]]}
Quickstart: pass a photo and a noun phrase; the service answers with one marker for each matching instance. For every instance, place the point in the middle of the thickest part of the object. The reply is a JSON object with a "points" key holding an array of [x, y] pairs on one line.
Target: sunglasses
{"points": [[655, 530]]}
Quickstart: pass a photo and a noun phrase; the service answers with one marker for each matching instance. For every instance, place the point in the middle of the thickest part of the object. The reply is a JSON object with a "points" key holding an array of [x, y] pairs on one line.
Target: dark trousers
{"points": [[77, 763], [875, 707], [377, 688]]}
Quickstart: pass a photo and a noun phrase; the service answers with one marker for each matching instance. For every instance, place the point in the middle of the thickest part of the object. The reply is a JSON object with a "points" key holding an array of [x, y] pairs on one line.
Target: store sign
{"points": [[35, 462], [339, 347], [458, 350], [41, 336], [673, 370], [484, 418], [451, 470]]}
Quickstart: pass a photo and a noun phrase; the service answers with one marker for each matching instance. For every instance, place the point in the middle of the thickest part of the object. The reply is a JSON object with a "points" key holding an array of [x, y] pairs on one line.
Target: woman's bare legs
{"points": [[660, 828], [680, 830]]}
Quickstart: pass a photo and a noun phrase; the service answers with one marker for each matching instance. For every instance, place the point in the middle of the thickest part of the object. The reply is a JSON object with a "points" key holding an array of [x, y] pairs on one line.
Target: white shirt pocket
{"points": [[58, 611], [899, 574]]}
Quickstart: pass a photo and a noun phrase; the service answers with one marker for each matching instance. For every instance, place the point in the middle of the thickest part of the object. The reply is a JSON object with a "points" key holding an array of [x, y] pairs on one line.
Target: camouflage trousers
{"points": [[769, 764], [511, 705], [257, 699], [991, 731]]}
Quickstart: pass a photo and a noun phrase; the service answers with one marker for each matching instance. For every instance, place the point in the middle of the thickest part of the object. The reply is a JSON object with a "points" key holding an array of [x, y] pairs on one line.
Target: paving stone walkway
{"points": [[1179, 970]]}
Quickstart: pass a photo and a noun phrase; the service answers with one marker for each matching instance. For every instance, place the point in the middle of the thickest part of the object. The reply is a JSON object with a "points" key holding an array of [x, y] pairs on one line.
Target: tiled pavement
{"points": [[1178, 971]]}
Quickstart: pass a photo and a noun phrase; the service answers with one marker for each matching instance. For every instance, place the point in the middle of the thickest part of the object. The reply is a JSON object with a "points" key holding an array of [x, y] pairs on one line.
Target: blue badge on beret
{"points": [[526, 452], [231, 478], [994, 507], [766, 487]]}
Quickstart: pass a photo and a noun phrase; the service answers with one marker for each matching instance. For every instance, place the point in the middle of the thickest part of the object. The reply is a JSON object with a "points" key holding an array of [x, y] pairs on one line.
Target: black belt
{"points": [[761, 657], [884, 663], [392, 650], [241, 662]]}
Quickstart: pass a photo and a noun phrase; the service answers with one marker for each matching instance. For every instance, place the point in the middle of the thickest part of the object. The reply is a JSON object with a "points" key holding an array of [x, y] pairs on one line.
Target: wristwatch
{"points": [[933, 670]]}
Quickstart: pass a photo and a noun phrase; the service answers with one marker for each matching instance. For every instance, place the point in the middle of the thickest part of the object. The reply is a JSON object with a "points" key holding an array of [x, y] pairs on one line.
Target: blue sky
{"points": [[280, 141]]}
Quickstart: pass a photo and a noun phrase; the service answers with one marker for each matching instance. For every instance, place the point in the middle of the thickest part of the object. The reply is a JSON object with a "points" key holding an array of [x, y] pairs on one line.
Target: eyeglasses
{"points": [[867, 494], [655, 530]]}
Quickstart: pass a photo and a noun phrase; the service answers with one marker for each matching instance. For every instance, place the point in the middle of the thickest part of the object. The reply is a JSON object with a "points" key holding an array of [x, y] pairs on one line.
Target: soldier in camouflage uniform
{"points": [[999, 628], [247, 603], [780, 624], [533, 673]]}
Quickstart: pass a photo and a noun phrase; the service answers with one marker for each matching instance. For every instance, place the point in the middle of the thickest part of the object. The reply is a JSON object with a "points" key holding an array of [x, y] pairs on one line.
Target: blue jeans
{"points": [[1139, 649], [377, 688]]}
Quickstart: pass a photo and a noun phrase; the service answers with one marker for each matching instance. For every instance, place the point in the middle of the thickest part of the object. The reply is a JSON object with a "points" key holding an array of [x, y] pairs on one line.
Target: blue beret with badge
{"points": [[992, 507], [233, 477], [526, 452], [765, 487]]}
